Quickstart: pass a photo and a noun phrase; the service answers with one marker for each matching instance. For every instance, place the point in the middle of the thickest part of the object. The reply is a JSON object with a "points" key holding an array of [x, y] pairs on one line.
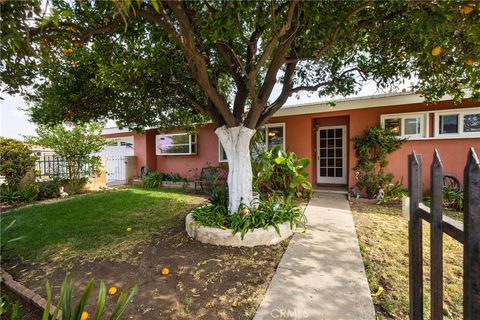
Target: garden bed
{"points": [[225, 237], [88, 236]]}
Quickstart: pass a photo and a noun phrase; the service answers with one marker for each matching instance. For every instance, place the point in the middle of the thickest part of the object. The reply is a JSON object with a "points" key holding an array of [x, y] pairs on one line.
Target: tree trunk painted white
{"points": [[236, 142]]}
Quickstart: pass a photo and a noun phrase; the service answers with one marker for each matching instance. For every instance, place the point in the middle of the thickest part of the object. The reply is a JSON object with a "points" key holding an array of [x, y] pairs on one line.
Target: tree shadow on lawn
{"points": [[205, 281]]}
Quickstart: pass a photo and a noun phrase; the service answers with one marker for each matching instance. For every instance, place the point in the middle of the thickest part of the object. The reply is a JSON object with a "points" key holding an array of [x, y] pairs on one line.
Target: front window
{"points": [[176, 144], [405, 125], [448, 124], [471, 122], [394, 125], [268, 136], [458, 123], [412, 126]]}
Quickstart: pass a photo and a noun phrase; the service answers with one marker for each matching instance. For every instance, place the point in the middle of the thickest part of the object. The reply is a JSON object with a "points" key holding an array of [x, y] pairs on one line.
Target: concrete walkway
{"points": [[321, 275]]}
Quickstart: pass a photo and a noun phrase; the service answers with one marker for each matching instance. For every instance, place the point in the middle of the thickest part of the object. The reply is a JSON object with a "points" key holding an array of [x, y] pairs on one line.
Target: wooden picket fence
{"points": [[467, 233]]}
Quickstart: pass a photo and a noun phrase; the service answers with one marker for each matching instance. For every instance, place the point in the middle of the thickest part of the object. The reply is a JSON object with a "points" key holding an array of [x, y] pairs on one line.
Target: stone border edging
{"points": [[225, 237], [26, 294]]}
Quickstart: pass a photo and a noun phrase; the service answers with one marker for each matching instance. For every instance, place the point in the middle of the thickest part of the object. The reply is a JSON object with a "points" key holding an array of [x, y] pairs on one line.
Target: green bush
{"points": [[277, 171], [394, 191], [28, 193], [49, 189], [371, 151], [155, 179], [16, 160], [271, 212]]}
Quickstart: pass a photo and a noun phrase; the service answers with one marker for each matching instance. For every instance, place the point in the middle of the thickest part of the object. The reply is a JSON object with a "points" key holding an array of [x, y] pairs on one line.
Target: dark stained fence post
{"points": [[415, 237], [436, 237], [471, 260]]}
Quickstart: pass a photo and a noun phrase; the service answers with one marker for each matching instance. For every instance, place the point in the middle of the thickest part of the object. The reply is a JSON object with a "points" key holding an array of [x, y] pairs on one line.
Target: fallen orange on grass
{"points": [[112, 291], [436, 51], [84, 315], [129, 229], [67, 51], [165, 271], [469, 61]]}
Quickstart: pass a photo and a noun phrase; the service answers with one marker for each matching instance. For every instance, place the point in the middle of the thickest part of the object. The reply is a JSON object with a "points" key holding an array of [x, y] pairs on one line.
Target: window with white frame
{"points": [[271, 136], [176, 144], [458, 123], [406, 125]]}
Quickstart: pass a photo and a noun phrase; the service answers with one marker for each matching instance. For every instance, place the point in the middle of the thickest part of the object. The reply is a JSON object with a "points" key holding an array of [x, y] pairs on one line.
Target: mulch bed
{"points": [[205, 281]]}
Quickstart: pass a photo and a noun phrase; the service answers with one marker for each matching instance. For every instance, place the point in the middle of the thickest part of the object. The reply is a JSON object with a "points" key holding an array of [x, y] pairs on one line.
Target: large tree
{"points": [[175, 63]]}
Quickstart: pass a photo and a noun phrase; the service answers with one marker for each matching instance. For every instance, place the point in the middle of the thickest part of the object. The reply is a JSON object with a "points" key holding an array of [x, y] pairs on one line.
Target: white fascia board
{"points": [[354, 103]]}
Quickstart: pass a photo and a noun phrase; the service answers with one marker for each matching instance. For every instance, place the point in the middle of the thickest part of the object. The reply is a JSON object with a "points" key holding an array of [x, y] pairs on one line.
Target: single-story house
{"points": [[323, 133]]}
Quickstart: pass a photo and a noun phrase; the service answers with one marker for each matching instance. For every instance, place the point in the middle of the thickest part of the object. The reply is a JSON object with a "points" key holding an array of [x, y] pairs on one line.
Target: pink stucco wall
{"points": [[301, 139]]}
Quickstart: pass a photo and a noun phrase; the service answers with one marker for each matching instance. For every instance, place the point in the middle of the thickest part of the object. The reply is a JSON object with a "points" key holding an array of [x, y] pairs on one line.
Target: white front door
{"points": [[331, 155]]}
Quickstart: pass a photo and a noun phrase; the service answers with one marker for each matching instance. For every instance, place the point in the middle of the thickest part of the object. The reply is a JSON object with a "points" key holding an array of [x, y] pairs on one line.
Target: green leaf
{"points": [[155, 5]]}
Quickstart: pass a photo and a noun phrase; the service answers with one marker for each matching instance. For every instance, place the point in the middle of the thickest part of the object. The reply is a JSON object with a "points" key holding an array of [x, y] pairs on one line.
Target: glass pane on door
{"points": [[331, 155]]}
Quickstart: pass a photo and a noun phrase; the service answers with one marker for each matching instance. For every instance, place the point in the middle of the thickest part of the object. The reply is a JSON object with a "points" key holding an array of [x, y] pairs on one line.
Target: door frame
{"points": [[334, 180]]}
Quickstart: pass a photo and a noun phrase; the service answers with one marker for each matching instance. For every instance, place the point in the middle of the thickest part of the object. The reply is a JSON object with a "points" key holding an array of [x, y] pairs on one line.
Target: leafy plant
{"points": [[271, 212], [27, 193], [16, 160], [371, 151], [6, 306], [452, 198], [74, 311], [5, 242], [152, 180], [77, 146], [394, 191], [155, 179], [277, 171], [49, 189]]}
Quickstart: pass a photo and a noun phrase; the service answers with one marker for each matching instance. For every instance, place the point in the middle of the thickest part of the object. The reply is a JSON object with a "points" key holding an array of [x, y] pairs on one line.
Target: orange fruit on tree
{"points": [[469, 61], [436, 51], [84, 315], [112, 291], [467, 9], [165, 271]]}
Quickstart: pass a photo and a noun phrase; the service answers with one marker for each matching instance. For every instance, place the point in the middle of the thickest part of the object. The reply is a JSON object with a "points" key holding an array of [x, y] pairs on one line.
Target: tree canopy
{"points": [[175, 63]]}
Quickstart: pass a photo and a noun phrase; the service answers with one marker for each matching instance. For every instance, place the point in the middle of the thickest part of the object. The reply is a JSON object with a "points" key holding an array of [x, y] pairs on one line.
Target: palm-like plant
{"points": [[74, 311]]}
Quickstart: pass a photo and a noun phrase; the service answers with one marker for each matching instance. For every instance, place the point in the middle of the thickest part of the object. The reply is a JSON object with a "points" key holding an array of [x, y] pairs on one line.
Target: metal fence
{"points": [[467, 233], [49, 167]]}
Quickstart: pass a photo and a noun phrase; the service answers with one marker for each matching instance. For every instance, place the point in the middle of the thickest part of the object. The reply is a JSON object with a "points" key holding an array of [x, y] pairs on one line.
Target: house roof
{"points": [[371, 101]]}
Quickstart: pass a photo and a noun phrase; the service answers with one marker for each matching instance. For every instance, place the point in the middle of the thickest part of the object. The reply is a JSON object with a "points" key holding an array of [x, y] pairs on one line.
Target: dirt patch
{"points": [[27, 311], [205, 281]]}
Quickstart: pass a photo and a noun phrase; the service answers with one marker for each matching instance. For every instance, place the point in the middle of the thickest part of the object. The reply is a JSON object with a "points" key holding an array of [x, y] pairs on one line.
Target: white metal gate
{"points": [[116, 169]]}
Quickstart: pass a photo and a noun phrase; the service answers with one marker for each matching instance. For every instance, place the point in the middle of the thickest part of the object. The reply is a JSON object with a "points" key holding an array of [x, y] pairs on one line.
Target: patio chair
{"points": [[211, 175]]}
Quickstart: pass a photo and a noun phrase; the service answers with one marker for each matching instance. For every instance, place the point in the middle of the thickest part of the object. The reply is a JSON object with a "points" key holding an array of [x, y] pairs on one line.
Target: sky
{"points": [[15, 122]]}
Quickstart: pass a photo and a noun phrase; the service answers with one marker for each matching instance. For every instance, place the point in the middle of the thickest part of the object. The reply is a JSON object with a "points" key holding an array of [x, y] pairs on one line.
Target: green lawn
{"points": [[383, 237], [93, 225]]}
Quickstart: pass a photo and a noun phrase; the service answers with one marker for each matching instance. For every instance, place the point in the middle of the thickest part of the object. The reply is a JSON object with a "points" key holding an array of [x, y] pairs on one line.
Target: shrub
{"points": [[155, 179], [76, 146], [271, 212], [452, 198], [394, 191], [49, 189], [152, 180], [277, 171], [28, 193], [371, 151], [16, 160]]}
